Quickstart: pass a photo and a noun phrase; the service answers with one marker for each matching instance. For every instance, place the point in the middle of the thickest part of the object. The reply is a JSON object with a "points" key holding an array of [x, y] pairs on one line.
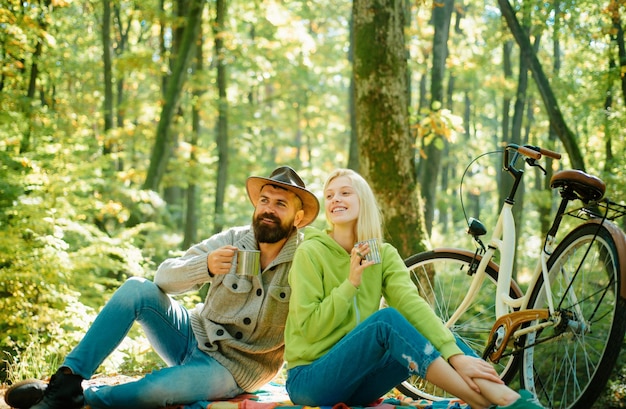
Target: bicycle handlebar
{"points": [[535, 152], [549, 153], [531, 153]]}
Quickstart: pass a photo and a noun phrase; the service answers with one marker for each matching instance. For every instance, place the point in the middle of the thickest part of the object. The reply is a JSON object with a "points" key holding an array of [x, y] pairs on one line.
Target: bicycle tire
{"points": [[575, 363], [444, 291]]}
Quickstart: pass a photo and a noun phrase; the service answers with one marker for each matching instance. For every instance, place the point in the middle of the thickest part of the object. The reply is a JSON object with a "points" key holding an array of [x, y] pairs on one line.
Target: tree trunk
{"points": [[618, 37], [173, 193], [108, 73], [445, 212], [544, 208], [617, 40], [519, 107], [353, 149], [557, 122], [382, 120], [431, 165], [504, 182], [608, 109], [221, 131], [25, 143], [162, 148], [122, 41], [191, 217], [34, 69]]}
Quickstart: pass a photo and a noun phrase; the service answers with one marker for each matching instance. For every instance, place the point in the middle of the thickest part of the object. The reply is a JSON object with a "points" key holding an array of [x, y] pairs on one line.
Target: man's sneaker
{"points": [[24, 394], [526, 401], [64, 391]]}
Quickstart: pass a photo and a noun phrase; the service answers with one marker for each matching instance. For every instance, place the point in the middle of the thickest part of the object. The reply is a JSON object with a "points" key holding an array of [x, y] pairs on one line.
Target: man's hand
{"points": [[220, 260]]}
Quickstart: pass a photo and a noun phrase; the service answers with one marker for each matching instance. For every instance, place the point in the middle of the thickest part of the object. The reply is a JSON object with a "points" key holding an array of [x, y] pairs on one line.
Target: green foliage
{"points": [[64, 247], [615, 395], [33, 360], [134, 356]]}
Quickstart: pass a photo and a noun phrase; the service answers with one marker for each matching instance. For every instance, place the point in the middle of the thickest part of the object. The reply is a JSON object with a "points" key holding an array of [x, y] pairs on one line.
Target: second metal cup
{"points": [[374, 254]]}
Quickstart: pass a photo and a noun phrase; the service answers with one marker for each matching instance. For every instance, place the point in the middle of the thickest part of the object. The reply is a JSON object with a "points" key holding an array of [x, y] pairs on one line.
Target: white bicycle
{"points": [[565, 331]]}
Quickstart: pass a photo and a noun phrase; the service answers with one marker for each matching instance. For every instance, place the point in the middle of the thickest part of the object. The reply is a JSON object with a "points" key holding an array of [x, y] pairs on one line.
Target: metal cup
{"points": [[248, 262], [374, 254]]}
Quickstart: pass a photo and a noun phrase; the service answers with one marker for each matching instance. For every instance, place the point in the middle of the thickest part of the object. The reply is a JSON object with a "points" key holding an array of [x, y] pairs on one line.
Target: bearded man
{"points": [[231, 344]]}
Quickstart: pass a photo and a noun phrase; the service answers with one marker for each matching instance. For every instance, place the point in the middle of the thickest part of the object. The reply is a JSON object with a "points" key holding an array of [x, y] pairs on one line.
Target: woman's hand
{"points": [[358, 263], [471, 368]]}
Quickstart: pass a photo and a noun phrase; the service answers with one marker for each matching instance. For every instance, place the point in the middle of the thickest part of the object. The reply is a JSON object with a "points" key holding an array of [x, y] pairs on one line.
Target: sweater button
{"points": [[239, 335], [234, 286], [247, 321], [220, 332], [259, 292], [283, 295]]}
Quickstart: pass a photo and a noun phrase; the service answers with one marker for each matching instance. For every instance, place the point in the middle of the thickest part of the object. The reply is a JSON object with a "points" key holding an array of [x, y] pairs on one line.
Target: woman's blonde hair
{"points": [[369, 223]]}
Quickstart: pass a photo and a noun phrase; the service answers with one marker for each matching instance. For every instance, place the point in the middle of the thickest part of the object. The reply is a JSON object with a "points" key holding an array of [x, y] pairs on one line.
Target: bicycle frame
{"points": [[503, 240], [510, 312]]}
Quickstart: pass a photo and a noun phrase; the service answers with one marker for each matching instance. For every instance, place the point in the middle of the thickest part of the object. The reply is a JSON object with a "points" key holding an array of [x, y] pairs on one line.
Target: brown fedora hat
{"points": [[287, 178]]}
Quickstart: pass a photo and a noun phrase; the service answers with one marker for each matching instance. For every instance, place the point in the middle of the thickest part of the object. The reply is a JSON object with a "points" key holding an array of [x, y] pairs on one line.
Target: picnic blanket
{"points": [[274, 396]]}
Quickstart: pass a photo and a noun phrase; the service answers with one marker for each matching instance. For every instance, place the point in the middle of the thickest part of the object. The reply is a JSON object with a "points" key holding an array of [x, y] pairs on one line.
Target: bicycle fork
{"points": [[508, 325]]}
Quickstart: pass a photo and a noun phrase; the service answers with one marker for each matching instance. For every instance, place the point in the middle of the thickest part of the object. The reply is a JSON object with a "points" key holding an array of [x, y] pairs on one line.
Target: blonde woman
{"points": [[340, 347]]}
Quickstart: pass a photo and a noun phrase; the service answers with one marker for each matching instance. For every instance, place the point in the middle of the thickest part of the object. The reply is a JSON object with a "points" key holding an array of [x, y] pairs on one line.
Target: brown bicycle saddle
{"points": [[586, 187]]}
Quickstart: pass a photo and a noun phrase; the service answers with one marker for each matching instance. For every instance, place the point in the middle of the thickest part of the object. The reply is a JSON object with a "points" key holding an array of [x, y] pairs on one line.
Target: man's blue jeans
{"points": [[192, 375], [368, 362]]}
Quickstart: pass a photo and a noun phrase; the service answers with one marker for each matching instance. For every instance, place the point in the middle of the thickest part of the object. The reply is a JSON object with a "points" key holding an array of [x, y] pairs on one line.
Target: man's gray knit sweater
{"points": [[241, 323]]}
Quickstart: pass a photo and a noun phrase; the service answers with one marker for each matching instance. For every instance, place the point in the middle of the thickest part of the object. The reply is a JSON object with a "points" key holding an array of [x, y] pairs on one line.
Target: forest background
{"points": [[128, 129]]}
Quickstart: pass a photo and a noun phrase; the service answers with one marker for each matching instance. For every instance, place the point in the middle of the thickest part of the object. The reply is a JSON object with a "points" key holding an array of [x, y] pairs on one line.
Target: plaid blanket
{"points": [[274, 396]]}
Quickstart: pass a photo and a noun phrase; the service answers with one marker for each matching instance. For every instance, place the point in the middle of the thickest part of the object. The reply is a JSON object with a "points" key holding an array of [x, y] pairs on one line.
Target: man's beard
{"points": [[270, 233]]}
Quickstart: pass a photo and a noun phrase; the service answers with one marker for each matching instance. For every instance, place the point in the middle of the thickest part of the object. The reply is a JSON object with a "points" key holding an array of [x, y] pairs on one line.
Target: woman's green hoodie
{"points": [[325, 306]]}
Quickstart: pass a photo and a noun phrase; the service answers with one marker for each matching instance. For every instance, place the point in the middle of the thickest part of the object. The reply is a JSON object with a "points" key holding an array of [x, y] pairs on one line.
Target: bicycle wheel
{"points": [[568, 365], [442, 278]]}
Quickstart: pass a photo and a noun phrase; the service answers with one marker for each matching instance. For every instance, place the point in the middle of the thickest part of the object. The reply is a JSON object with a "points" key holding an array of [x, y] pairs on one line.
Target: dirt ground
{"points": [[104, 380], [2, 404]]}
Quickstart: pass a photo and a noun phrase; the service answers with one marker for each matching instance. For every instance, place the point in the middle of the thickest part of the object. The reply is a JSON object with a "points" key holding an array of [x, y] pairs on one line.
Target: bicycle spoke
{"points": [[442, 279], [576, 351]]}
